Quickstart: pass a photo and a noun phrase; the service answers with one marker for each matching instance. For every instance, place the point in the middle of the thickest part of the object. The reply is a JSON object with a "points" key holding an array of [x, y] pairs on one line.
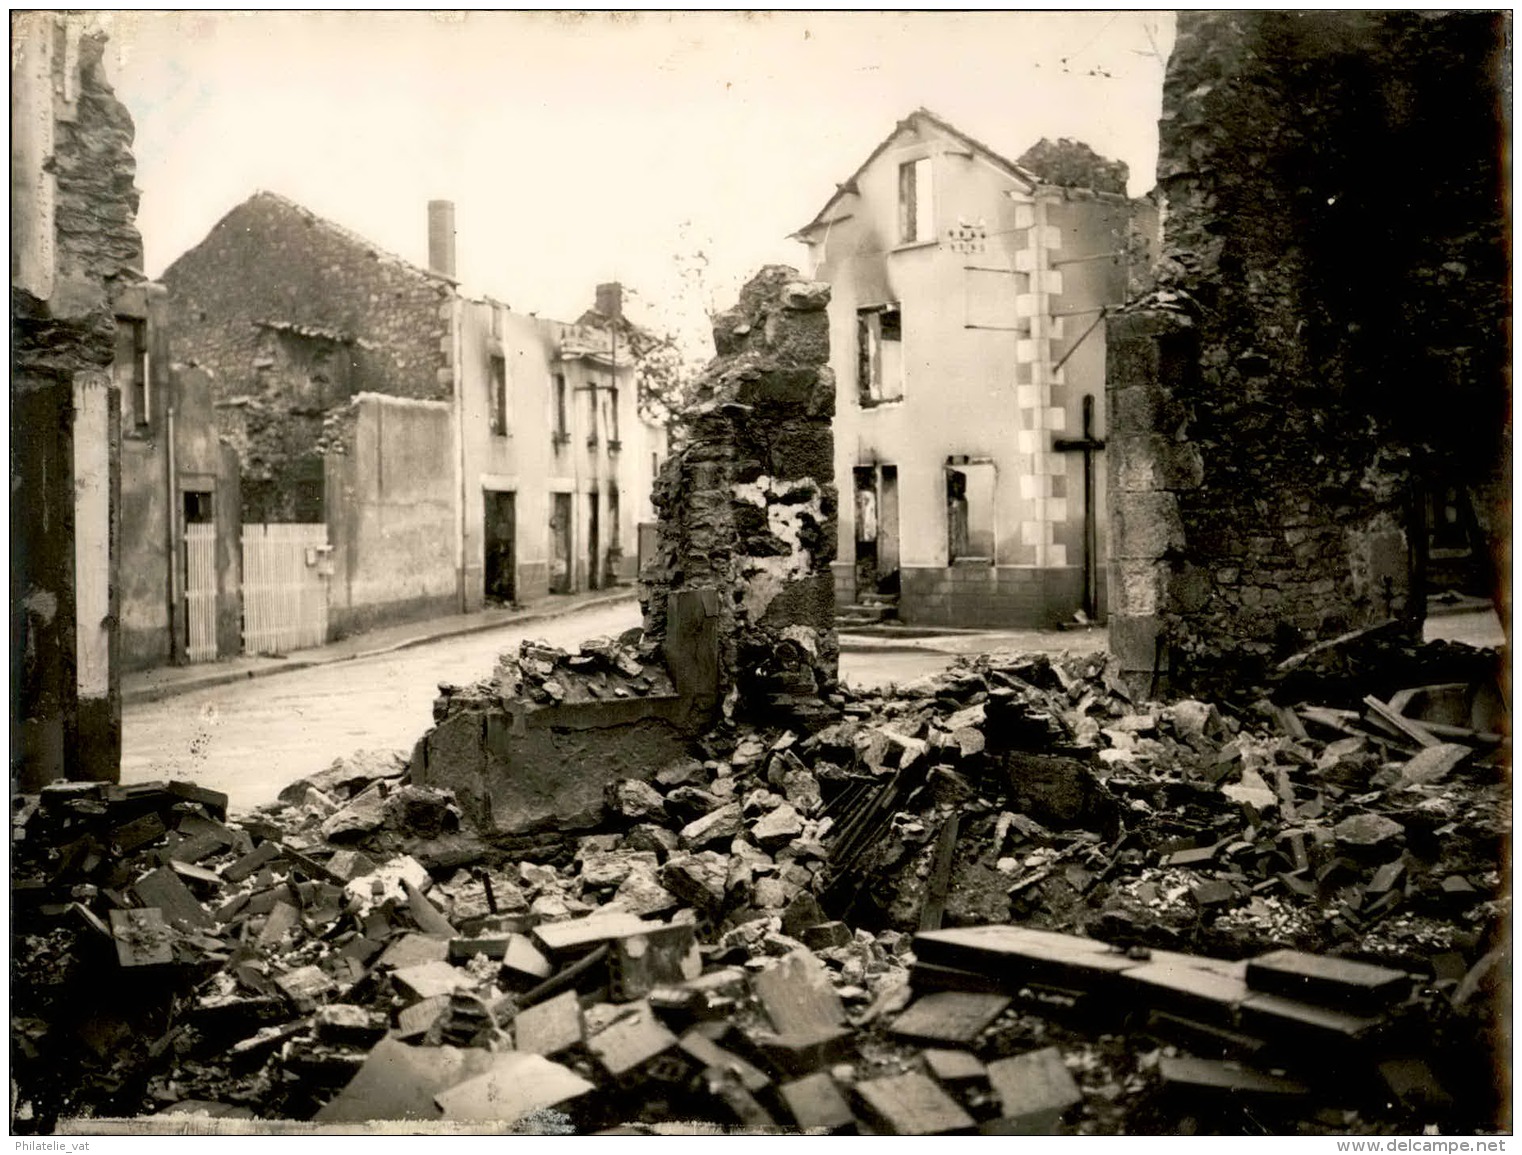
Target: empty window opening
{"points": [[562, 433], [592, 413], [499, 396], [916, 216], [130, 370], [970, 511], [613, 437], [880, 354]]}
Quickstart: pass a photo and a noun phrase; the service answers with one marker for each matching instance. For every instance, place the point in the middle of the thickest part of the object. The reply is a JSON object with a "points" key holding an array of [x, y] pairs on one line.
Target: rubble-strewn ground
{"points": [[749, 940]]}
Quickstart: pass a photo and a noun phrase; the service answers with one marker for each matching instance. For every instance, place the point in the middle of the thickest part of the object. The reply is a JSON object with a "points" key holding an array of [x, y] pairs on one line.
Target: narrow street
{"points": [[251, 738]]}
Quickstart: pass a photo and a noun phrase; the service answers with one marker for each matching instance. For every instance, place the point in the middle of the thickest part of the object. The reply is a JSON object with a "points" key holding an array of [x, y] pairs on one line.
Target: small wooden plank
{"points": [[912, 1104], [237, 871], [1207, 1076], [956, 1017], [939, 882], [1411, 729]]}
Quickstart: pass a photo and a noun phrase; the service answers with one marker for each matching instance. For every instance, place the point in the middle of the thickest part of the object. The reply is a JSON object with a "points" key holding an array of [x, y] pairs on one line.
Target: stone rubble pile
{"points": [[1009, 898]]}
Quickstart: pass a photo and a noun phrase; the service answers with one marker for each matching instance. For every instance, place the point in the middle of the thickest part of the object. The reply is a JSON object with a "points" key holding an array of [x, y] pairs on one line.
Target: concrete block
{"points": [[399, 1081], [631, 1041], [817, 1105], [1340, 983], [549, 1027], [797, 994], [954, 1066], [949, 1016], [515, 1085], [1034, 1090], [560, 940], [911, 1104]]}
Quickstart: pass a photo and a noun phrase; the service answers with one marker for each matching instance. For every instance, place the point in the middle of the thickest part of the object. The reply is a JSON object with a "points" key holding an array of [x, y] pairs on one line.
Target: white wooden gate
{"points": [[285, 587], [201, 592]]}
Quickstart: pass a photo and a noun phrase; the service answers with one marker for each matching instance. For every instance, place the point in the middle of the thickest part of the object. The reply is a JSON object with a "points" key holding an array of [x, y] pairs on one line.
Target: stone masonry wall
{"points": [[271, 261], [1325, 337], [293, 316], [76, 247], [747, 507]]}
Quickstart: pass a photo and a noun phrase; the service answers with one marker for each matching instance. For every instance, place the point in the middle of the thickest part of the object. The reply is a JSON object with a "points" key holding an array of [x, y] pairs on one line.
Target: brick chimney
{"points": [[610, 300], [441, 237]]}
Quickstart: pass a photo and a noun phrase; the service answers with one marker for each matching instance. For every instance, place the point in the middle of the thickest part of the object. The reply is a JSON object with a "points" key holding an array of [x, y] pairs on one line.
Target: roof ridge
{"points": [[345, 233]]}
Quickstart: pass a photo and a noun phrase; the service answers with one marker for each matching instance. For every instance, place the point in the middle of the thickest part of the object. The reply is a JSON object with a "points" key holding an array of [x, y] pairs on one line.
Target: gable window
{"points": [[879, 354], [129, 368], [562, 432], [916, 202], [498, 399]]}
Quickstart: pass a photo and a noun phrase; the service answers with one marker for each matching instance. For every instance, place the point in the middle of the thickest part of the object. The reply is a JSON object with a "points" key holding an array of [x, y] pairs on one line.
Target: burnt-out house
{"points": [[968, 348], [75, 254]]}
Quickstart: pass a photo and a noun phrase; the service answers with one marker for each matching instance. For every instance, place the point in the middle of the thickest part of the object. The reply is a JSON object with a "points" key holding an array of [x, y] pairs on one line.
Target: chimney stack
{"points": [[610, 300], [441, 237]]}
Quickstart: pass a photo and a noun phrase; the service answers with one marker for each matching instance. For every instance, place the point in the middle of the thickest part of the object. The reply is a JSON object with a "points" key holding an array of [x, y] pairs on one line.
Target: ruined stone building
{"points": [[76, 260], [1318, 387], [440, 450], [969, 360]]}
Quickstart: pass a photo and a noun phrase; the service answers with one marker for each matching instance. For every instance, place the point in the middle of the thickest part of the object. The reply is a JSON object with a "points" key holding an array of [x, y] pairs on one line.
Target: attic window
{"points": [[916, 202]]}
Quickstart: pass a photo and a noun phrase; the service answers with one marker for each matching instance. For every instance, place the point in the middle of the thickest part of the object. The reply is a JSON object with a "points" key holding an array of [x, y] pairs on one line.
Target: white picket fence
{"points": [[285, 594], [201, 592]]}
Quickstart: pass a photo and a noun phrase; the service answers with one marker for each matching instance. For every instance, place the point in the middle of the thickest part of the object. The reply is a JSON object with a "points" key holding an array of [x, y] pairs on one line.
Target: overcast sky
{"points": [[582, 148]]}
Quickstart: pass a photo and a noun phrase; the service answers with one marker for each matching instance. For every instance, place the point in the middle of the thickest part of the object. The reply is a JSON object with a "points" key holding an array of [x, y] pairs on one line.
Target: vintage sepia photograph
{"points": [[761, 573]]}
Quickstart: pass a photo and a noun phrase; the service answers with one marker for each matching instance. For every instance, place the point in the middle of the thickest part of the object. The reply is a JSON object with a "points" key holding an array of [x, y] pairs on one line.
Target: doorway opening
{"points": [[560, 543], [501, 519]]}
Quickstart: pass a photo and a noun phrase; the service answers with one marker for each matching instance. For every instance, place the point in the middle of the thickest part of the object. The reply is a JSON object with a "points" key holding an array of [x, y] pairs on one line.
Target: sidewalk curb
{"points": [[147, 694]]}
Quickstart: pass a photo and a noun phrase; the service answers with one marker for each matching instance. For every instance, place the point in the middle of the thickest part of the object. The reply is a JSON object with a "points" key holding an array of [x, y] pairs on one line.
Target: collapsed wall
{"points": [[747, 506], [739, 602], [1326, 344]]}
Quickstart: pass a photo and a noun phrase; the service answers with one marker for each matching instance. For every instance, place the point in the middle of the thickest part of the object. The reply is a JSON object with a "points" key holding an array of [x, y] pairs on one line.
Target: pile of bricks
{"points": [[601, 669], [1135, 901]]}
